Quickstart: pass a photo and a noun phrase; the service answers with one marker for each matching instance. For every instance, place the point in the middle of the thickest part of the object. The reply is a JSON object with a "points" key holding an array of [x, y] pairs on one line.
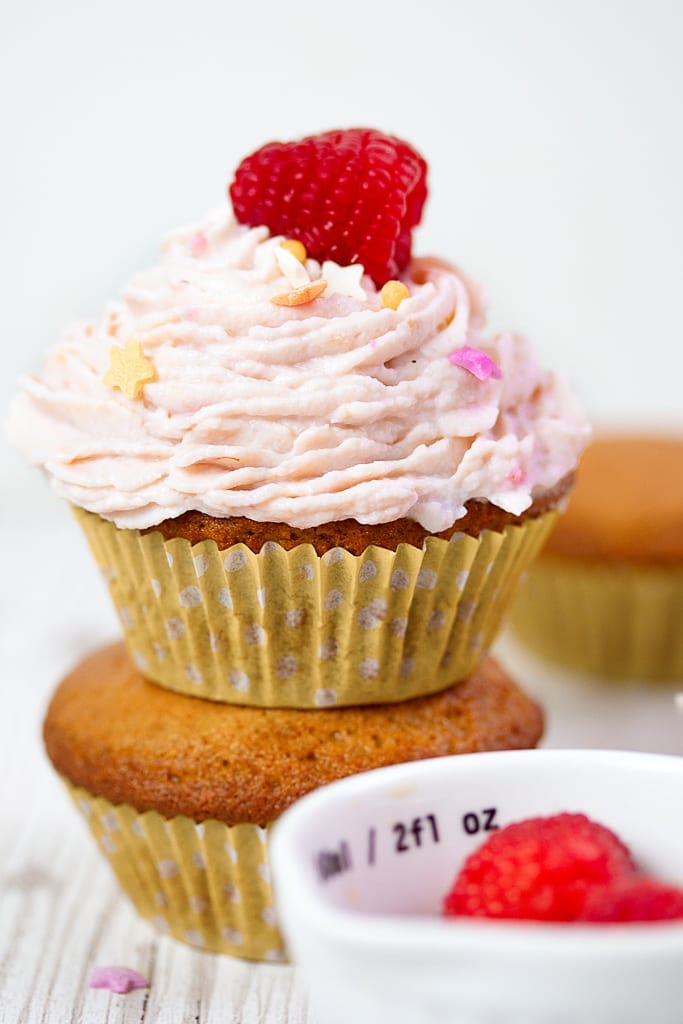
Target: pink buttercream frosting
{"points": [[308, 414]]}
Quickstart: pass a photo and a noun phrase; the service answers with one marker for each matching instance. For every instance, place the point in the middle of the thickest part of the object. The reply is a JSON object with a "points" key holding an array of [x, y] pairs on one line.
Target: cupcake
{"points": [[606, 595], [308, 474], [180, 793]]}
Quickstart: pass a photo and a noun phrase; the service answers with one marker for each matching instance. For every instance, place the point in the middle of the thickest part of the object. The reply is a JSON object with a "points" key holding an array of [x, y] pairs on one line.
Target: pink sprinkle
{"points": [[199, 243], [117, 979], [475, 362], [373, 342], [516, 476]]}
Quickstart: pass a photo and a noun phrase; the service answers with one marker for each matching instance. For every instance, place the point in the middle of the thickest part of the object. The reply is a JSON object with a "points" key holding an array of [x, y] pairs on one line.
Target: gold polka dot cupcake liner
{"points": [[296, 629], [206, 884], [615, 621]]}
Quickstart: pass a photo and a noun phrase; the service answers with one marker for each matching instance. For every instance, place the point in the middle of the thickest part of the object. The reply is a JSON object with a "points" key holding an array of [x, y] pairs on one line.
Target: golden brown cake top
{"points": [[627, 503], [348, 533], [110, 731]]}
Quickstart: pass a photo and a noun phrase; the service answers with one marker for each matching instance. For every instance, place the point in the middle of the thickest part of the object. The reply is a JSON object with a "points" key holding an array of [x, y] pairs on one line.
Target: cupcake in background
{"points": [[308, 474], [180, 793], [606, 595]]}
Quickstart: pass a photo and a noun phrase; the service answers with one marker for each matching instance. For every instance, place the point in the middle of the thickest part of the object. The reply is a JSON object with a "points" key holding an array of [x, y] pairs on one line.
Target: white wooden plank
{"points": [[61, 912]]}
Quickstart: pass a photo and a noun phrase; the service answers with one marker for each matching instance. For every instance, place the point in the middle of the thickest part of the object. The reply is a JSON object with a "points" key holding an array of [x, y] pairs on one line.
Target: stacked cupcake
{"points": [[311, 484]]}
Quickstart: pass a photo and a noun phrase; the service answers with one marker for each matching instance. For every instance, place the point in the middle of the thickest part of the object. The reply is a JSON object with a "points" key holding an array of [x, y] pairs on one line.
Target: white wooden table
{"points": [[61, 913]]}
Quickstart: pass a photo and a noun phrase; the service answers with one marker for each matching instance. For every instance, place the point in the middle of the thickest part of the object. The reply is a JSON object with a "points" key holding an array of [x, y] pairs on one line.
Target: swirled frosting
{"points": [[334, 409]]}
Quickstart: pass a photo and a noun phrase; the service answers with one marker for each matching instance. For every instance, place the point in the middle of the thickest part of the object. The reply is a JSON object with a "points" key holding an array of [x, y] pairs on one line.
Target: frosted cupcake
{"points": [[308, 474]]}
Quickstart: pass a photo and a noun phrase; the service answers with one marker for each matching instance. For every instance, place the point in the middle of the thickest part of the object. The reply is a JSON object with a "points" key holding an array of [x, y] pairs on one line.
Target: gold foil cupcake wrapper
{"points": [[615, 621], [206, 884], [296, 629]]}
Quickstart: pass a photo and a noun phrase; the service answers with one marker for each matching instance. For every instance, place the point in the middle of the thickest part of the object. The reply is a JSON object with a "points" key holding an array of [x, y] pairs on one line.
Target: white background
{"points": [[553, 133]]}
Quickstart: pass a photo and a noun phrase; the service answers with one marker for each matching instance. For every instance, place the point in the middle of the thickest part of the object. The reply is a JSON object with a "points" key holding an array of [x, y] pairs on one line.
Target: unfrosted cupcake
{"points": [[606, 595], [180, 793], [306, 484]]}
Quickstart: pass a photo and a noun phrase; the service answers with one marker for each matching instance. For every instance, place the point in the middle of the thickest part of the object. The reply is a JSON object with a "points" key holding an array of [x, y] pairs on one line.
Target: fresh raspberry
{"points": [[541, 869], [637, 898], [352, 196]]}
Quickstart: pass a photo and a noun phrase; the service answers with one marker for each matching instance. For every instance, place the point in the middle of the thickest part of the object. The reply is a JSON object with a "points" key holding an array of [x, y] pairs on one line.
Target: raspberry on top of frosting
{"points": [[286, 388], [351, 195]]}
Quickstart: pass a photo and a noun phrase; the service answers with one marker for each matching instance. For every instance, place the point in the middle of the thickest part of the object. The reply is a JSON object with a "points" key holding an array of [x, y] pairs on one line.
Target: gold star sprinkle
{"points": [[393, 293], [344, 280], [129, 369]]}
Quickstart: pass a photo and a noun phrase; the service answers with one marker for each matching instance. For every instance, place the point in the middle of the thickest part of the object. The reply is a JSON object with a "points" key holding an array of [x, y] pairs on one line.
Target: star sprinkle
{"points": [[117, 979], [393, 293], [344, 280], [129, 369], [475, 362], [291, 267]]}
